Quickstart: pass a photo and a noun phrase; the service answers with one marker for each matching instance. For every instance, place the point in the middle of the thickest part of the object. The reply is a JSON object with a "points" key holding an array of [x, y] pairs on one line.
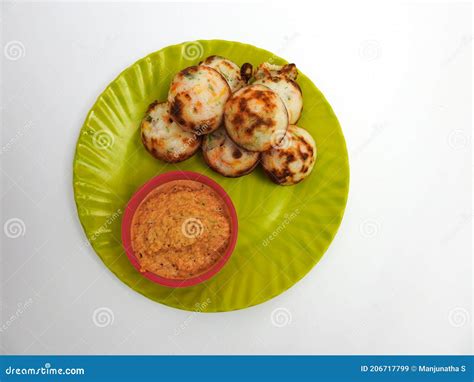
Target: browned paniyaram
{"points": [[197, 97], [256, 118], [180, 230]]}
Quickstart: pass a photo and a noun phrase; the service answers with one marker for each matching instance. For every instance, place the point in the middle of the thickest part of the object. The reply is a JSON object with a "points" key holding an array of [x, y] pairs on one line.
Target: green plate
{"points": [[283, 231]]}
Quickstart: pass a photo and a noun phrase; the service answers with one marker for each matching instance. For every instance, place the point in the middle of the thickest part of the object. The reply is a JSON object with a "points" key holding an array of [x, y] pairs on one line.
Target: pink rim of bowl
{"points": [[138, 198]]}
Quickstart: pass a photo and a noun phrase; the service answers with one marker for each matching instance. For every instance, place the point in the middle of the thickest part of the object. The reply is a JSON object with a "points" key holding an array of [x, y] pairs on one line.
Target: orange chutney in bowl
{"points": [[180, 230]]}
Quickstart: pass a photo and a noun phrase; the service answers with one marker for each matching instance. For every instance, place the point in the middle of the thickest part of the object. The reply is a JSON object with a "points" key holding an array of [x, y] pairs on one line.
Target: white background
{"points": [[398, 276]]}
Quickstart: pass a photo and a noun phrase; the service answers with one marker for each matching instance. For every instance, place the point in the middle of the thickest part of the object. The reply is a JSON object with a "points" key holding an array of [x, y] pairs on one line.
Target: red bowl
{"points": [[143, 192]]}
